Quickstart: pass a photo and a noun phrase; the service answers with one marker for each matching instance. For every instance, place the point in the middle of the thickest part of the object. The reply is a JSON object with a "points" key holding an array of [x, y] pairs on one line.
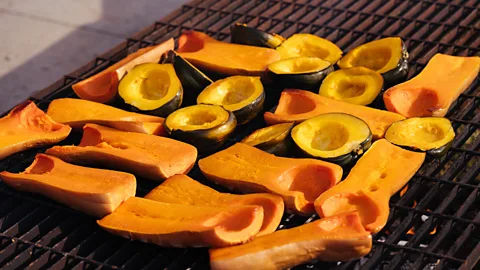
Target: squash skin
{"points": [[435, 88], [297, 106], [178, 225], [343, 239], [108, 79], [182, 189], [250, 170], [279, 145], [145, 155], [242, 34], [93, 191], [26, 126], [77, 112], [382, 171]]}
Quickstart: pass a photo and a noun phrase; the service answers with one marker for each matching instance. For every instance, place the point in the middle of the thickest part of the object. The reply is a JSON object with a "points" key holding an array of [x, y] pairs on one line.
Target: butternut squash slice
{"points": [[180, 225], [337, 238], [432, 91], [76, 113], [102, 87], [224, 58], [92, 191], [297, 106], [149, 156], [25, 127], [379, 173], [250, 170], [182, 189]]}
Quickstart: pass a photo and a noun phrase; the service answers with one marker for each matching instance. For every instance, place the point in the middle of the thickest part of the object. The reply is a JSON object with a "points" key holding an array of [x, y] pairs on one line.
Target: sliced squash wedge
{"points": [[309, 45], [243, 34], [273, 139]]}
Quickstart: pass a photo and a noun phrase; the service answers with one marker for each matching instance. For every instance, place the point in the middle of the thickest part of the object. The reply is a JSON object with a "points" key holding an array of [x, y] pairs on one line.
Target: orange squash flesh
{"points": [[337, 238], [182, 189], [432, 91], [180, 225], [379, 173], [103, 86], [25, 127], [250, 170], [145, 155], [77, 112], [298, 105], [224, 58], [92, 191]]}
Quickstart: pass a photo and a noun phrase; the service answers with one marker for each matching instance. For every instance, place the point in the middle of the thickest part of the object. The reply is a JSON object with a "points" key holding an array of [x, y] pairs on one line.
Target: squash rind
{"points": [[242, 34], [278, 145]]}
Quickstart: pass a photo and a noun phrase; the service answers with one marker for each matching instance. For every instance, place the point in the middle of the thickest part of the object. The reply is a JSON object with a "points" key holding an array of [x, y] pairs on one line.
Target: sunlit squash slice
{"points": [[273, 139], [433, 135], [303, 72], [243, 34], [382, 171], [387, 56], [180, 225], [25, 127], [145, 155], [438, 85], [77, 112], [334, 137], [336, 238], [152, 89], [224, 58], [182, 189], [93, 191], [247, 169], [242, 95], [297, 106], [204, 126], [311, 46], [102, 87], [356, 85]]}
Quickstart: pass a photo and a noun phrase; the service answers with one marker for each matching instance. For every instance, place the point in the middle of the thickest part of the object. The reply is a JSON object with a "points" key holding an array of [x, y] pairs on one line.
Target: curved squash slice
{"points": [[297, 106], [76, 113], [179, 225], [145, 155], [182, 189], [242, 34], [387, 56], [357, 85], [102, 87], [433, 135], [309, 45], [247, 169], [92, 191], [224, 58], [152, 88], [432, 91], [382, 171], [206, 127], [273, 139], [242, 95], [337, 238], [25, 127], [335, 137]]}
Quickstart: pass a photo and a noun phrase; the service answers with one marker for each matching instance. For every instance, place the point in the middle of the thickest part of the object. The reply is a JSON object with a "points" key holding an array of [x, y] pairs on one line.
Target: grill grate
{"points": [[37, 233]]}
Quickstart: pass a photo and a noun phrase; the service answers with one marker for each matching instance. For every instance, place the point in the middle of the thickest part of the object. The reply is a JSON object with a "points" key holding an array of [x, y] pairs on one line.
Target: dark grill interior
{"points": [[434, 225]]}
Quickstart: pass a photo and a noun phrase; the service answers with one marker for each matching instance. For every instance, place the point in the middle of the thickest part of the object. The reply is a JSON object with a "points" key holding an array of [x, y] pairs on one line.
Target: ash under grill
{"points": [[441, 205]]}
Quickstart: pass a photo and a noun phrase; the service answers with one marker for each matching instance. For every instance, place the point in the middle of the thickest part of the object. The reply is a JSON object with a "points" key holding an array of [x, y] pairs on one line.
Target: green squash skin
{"points": [[205, 140], [280, 145], [247, 113], [242, 34], [310, 81], [398, 74], [165, 109]]}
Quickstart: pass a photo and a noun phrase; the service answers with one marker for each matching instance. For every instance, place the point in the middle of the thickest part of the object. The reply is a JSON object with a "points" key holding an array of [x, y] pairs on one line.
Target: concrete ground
{"points": [[41, 40]]}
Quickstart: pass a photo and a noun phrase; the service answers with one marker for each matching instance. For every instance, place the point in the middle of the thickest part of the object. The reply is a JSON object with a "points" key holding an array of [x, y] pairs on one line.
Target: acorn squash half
{"points": [[299, 72], [242, 95], [356, 85], [273, 139], [433, 135], [152, 88], [243, 34], [204, 126], [309, 45], [387, 56], [335, 137]]}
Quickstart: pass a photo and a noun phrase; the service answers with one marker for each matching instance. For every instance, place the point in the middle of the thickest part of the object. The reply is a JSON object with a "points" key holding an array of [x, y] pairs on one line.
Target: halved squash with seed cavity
{"points": [[273, 139], [309, 45]]}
